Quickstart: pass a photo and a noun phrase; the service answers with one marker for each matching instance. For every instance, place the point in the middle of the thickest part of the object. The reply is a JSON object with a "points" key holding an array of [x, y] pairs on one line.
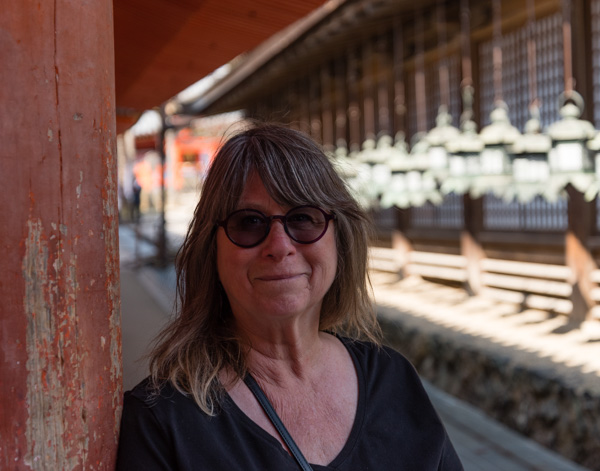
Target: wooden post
{"points": [[581, 50], [368, 95], [341, 122], [60, 362], [469, 242], [577, 255], [314, 106], [383, 85], [353, 78], [303, 105], [400, 242], [161, 242], [327, 107], [398, 79]]}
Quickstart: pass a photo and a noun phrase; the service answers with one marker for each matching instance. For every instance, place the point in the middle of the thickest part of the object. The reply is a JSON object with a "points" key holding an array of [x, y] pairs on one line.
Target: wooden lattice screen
{"points": [[547, 33], [447, 215], [536, 215], [539, 214], [432, 87]]}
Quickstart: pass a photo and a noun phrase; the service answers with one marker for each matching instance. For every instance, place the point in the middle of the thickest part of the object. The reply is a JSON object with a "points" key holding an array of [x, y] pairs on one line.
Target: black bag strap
{"points": [[274, 418]]}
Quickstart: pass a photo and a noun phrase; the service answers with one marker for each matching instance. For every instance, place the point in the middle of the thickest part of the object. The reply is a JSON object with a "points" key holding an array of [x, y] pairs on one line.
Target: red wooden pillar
{"points": [[60, 347]]}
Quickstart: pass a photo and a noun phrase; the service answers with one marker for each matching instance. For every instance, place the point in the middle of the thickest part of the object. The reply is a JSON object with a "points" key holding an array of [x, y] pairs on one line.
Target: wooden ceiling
{"points": [[163, 46]]}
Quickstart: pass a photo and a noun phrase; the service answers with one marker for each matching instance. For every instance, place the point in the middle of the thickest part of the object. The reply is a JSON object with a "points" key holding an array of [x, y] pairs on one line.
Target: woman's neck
{"points": [[278, 350], [285, 359]]}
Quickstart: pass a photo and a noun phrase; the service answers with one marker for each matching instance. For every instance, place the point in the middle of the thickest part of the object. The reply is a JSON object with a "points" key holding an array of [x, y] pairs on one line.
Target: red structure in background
{"points": [[192, 154], [187, 159]]}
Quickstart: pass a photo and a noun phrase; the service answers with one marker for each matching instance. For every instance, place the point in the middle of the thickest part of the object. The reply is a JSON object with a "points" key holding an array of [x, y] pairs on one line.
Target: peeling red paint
{"points": [[45, 309], [111, 220], [62, 380]]}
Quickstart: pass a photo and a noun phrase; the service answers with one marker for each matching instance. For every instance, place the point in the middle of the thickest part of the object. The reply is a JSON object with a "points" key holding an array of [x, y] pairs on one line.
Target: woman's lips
{"points": [[277, 277]]}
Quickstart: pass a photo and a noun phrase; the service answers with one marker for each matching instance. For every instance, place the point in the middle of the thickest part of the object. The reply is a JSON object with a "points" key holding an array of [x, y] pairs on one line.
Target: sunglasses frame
{"points": [[269, 219]]}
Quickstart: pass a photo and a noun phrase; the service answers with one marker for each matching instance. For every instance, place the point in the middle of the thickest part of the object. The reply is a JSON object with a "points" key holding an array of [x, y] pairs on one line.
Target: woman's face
{"points": [[279, 279]]}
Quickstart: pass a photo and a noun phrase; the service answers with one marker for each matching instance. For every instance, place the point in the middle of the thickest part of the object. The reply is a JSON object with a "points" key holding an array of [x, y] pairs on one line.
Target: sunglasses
{"points": [[249, 227]]}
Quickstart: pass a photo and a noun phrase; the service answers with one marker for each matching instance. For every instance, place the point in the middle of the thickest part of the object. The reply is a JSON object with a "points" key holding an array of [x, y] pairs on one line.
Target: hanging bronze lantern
{"points": [[495, 160], [530, 167], [437, 138], [498, 137], [569, 153], [464, 152], [569, 158]]}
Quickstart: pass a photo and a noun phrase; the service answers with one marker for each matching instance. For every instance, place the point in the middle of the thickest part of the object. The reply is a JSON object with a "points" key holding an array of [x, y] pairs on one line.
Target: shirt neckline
{"points": [[354, 432]]}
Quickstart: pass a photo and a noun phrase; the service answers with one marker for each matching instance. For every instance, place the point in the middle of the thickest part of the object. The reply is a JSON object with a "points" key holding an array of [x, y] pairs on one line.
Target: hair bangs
{"points": [[295, 177]]}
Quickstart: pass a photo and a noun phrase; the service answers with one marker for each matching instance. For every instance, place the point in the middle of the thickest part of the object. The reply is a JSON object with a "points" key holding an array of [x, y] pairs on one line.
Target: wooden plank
{"points": [[437, 259], [388, 266], [384, 259], [546, 303], [442, 273], [383, 252], [539, 270], [528, 254], [517, 283], [503, 295]]}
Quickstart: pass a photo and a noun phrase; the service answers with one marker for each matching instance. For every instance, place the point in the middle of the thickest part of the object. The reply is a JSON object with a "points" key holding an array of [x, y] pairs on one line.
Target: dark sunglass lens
{"points": [[246, 227], [306, 224]]}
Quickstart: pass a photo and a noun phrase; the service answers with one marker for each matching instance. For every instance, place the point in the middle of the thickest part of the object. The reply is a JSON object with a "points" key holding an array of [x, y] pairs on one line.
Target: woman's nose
{"points": [[278, 243]]}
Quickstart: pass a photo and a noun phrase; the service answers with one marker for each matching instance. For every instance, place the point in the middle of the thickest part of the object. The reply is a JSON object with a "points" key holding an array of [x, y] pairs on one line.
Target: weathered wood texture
{"points": [[60, 352]]}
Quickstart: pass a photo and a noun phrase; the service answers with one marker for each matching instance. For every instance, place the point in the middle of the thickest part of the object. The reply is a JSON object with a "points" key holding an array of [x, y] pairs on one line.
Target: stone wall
{"points": [[529, 399]]}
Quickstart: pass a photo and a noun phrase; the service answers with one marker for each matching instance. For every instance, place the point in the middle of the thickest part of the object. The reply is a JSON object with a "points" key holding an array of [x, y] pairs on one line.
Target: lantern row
{"points": [[498, 160]]}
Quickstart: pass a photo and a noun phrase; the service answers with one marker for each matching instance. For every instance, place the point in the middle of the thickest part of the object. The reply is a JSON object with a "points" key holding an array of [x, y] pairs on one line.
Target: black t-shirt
{"points": [[395, 428]]}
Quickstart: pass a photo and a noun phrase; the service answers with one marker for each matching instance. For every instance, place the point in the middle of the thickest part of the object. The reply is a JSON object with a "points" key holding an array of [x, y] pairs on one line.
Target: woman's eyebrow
{"points": [[251, 205], [261, 207], [244, 204]]}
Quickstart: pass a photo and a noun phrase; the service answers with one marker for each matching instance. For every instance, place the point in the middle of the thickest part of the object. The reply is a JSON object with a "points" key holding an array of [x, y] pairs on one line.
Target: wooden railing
{"points": [[533, 285], [556, 271]]}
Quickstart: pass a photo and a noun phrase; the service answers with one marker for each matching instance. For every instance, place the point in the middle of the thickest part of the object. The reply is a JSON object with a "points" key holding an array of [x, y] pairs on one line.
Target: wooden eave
{"points": [[162, 47], [343, 28]]}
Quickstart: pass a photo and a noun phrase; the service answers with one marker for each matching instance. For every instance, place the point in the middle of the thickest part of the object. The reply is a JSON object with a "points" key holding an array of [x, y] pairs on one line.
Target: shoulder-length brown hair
{"points": [[192, 350]]}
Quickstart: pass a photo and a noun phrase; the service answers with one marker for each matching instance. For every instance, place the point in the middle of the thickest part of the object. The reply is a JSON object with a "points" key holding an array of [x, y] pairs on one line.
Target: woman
{"points": [[273, 297]]}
